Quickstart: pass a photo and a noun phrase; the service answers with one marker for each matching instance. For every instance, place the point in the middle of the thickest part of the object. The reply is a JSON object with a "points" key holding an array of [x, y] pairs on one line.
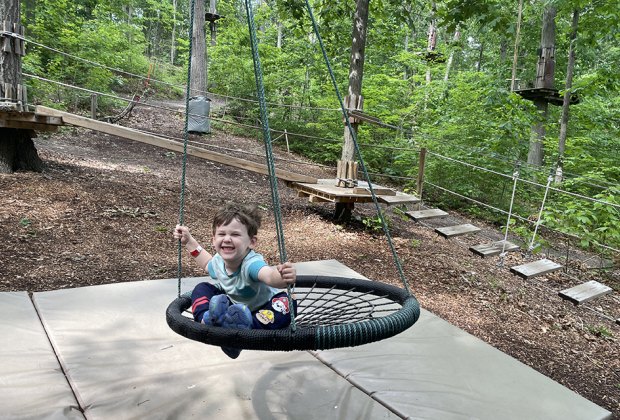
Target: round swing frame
{"points": [[332, 298]]}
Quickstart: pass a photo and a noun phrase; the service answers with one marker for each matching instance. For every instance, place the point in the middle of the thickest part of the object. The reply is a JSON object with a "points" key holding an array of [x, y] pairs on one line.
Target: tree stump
{"points": [[17, 151]]}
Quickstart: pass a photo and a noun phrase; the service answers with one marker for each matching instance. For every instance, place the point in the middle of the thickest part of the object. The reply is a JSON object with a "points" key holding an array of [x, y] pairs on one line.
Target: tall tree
{"points": [[356, 73], [567, 95], [198, 83], [545, 72], [17, 150]]}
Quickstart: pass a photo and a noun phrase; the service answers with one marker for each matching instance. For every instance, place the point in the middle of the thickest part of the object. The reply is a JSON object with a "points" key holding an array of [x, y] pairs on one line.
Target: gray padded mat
{"points": [[123, 362], [32, 385]]}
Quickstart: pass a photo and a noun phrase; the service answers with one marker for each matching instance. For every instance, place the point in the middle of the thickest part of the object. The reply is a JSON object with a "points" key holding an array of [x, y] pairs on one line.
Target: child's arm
{"points": [[201, 255], [278, 276]]}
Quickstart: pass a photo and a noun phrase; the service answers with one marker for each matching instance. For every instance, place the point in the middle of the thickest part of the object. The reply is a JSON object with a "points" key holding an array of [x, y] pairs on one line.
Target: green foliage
{"points": [[469, 122], [593, 221], [374, 224], [600, 331]]}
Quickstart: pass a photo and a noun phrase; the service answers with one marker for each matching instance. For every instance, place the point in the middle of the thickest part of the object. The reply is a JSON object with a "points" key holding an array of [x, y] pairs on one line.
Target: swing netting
{"points": [[331, 312]]}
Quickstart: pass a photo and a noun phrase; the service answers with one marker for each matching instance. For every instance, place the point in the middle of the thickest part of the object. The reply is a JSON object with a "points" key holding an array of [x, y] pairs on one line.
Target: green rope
{"points": [[386, 230], [185, 141], [273, 180]]}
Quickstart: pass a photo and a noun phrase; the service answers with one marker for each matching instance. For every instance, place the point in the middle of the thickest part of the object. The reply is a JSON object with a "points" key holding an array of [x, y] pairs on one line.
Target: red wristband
{"points": [[196, 252]]}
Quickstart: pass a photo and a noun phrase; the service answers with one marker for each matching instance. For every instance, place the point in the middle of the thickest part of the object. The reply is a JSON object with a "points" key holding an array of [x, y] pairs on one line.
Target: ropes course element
{"points": [[515, 177], [357, 149], [542, 206], [136, 98], [331, 311]]}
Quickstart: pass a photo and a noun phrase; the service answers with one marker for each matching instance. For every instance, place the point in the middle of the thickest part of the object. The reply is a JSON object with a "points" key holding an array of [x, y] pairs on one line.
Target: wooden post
{"points": [[93, 106], [346, 174], [288, 149], [421, 165]]}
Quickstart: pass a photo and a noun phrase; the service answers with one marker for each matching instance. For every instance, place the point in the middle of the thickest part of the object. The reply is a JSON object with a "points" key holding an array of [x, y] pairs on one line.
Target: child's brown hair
{"points": [[249, 216]]}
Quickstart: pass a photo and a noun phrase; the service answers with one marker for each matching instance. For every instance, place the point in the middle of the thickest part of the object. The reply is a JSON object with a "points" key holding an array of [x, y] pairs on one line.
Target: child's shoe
{"points": [[206, 318], [238, 317], [218, 307]]}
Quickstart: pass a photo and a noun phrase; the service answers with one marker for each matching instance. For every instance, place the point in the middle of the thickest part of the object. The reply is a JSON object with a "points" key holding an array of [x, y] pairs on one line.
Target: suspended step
{"points": [[494, 248], [457, 230], [585, 292], [535, 268], [426, 214]]}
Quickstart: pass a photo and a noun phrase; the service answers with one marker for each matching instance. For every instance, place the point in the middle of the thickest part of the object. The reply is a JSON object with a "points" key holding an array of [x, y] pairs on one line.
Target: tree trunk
{"points": [[455, 39], [480, 57], [545, 70], [516, 49], [198, 83], [17, 151], [432, 40], [356, 72], [567, 94], [536, 153], [174, 29]]}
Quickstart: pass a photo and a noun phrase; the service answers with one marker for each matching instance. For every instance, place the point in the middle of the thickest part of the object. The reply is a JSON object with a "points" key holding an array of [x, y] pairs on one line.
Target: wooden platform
{"points": [[585, 292], [493, 248], [29, 121], [457, 230], [327, 191], [535, 268], [426, 214], [551, 96]]}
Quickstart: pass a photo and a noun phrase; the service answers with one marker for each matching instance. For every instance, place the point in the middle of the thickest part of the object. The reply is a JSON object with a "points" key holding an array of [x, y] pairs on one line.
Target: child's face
{"points": [[232, 242]]}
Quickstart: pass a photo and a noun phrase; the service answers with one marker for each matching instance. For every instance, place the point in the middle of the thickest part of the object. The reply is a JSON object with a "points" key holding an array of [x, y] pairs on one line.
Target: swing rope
{"points": [[273, 180], [384, 225], [515, 177], [185, 142]]}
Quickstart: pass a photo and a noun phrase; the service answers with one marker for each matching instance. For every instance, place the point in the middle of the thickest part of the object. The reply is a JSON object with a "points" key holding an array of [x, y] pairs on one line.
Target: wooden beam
{"points": [[25, 125], [30, 117], [131, 134]]}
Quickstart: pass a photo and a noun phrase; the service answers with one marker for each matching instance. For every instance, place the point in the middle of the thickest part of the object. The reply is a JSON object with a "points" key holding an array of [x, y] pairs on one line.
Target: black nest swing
{"points": [[331, 311]]}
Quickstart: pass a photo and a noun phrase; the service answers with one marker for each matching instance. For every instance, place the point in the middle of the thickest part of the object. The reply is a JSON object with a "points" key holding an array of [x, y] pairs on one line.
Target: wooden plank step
{"points": [[535, 268], [426, 214], [399, 198], [450, 231], [493, 248], [585, 292]]}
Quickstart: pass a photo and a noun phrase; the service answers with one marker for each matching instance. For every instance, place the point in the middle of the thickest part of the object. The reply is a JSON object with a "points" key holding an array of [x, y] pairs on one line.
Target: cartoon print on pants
{"points": [[280, 304], [265, 316]]}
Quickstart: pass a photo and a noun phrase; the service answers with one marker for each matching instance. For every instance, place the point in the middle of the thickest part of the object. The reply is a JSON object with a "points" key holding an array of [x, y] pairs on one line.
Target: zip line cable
{"points": [[364, 144], [493, 155], [126, 73]]}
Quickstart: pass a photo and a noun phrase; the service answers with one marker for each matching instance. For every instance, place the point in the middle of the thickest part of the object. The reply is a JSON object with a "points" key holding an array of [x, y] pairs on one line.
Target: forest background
{"points": [[457, 102]]}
